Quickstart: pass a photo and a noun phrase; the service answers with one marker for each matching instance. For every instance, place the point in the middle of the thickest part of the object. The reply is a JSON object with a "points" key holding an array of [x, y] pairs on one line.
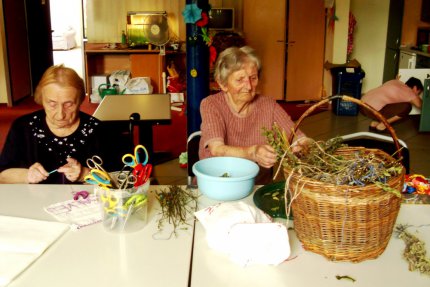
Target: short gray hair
{"points": [[232, 59]]}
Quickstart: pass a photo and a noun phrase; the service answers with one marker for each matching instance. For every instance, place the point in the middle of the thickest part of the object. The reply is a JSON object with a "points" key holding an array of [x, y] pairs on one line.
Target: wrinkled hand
{"points": [[36, 173], [301, 145], [71, 170], [265, 156]]}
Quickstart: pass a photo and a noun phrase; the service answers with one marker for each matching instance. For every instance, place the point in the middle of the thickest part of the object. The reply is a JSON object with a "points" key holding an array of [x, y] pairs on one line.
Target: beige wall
{"points": [[106, 19], [370, 39], [340, 35], [336, 42]]}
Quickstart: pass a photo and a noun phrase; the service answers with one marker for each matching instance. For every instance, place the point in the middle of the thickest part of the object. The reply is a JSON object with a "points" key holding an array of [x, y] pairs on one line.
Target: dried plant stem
{"points": [[415, 252]]}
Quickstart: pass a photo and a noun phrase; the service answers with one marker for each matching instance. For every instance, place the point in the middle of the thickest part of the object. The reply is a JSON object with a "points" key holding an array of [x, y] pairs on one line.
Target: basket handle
{"points": [[354, 100]]}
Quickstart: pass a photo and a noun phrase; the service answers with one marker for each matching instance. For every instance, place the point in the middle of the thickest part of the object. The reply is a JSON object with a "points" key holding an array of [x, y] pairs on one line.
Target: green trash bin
{"points": [[425, 109]]}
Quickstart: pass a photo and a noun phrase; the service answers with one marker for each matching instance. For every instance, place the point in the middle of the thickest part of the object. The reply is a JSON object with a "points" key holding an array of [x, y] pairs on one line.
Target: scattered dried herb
{"points": [[177, 204], [339, 277], [415, 252]]}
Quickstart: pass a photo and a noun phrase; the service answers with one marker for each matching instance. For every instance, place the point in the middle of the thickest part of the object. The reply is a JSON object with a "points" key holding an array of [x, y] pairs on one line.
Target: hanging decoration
{"points": [[351, 28], [194, 15], [331, 16]]}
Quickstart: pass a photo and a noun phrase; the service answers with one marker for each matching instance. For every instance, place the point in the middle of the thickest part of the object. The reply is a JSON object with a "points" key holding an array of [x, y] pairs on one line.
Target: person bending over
{"points": [[393, 100]]}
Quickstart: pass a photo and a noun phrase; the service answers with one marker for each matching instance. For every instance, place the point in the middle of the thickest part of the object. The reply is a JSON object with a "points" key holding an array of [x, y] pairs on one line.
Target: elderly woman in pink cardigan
{"points": [[233, 119]]}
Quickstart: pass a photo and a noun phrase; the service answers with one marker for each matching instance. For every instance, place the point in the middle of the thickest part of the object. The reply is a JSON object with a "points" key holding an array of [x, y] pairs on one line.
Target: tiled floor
{"points": [[325, 125]]}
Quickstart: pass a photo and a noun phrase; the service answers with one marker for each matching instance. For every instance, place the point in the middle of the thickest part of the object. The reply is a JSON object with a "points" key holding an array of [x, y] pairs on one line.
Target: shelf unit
{"points": [[102, 60]]}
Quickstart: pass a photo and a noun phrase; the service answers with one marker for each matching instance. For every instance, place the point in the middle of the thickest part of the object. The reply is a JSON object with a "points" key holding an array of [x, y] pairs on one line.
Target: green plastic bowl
{"points": [[225, 178]]}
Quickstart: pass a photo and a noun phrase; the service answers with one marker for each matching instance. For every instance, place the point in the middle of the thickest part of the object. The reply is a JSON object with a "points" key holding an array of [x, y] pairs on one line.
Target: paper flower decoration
{"points": [[192, 13], [203, 21]]}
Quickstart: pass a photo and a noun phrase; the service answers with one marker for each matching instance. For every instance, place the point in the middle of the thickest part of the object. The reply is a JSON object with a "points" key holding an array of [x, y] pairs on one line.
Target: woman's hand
{"points": [[264, 155], [36, 173], [301, 145], [72, 170]]}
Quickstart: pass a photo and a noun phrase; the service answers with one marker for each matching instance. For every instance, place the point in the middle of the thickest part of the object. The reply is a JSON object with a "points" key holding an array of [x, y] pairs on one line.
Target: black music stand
{"points": [[121, 113]]}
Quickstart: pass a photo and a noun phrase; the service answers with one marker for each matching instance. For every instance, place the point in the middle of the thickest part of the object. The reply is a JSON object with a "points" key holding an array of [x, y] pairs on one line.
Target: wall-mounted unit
{"points": [[221, 19], [145, 28]]}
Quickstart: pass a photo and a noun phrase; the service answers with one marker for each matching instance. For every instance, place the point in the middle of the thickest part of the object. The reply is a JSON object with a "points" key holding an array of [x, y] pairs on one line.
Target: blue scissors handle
{"points": [[98, 177]]}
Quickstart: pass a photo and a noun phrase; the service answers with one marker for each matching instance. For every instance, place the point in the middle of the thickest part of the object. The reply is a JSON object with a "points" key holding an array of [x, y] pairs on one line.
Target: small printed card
{"points": [[78, 213]]}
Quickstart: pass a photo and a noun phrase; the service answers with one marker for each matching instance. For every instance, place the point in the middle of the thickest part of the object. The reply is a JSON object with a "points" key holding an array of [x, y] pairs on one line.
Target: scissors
{"points": [[95, 163], [112, 206], [136, 201], [100, 178], [142, 173], [125, 178], [134, 160]]}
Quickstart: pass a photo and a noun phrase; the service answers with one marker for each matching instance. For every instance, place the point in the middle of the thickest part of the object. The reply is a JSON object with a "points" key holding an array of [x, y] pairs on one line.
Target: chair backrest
{"points": [[378, 141], [193, 142]]}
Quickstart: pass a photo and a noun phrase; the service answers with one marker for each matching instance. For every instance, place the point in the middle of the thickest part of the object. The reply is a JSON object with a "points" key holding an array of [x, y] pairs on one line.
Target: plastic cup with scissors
{"points": [[133, 160], [123, 210]]}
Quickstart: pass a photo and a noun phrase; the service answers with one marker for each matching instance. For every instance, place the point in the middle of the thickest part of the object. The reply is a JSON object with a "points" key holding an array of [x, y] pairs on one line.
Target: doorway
{"points": [[67, 34]]}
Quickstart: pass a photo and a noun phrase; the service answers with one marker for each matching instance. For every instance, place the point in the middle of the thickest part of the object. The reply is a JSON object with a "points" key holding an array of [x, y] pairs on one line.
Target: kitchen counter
{"points": [[416, 51]]}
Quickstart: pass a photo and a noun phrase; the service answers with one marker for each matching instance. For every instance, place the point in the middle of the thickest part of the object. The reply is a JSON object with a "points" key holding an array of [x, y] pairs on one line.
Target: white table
{"points": [[211, 268], [93, 256]]}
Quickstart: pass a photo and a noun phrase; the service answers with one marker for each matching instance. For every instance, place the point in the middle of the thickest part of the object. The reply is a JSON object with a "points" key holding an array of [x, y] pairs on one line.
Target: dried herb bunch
{"points": [[415, 252], [177, 204], [319, 161]]}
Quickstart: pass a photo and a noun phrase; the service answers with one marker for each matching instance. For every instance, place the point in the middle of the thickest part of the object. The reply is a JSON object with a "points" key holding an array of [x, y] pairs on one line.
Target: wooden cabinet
{"points": [[289, 37], [140, 63], [264, 24]]}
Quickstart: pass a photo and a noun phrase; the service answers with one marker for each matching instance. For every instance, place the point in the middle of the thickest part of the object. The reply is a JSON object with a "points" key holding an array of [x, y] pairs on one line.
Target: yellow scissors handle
{"points": [[130, 160]]}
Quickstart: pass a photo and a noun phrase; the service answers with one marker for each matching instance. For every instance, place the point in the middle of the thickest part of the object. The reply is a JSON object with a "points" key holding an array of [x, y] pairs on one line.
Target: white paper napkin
{"points": [[245, 233]]}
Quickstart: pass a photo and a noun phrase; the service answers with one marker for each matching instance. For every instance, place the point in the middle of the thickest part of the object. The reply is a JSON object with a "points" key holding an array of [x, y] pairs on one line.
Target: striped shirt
{"points": [[221, 122]]}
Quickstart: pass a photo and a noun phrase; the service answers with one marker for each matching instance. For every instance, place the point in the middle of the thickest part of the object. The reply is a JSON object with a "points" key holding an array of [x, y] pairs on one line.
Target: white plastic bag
{"points": [[138, 85], [119, 78]]}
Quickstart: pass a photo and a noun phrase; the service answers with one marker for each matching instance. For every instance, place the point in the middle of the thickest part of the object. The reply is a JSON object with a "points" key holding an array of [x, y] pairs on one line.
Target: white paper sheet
{"points": [[22, 241]]}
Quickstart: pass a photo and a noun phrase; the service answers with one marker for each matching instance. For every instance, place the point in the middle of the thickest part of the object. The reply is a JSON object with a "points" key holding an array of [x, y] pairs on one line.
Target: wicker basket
{"points": [[341, 222]]}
